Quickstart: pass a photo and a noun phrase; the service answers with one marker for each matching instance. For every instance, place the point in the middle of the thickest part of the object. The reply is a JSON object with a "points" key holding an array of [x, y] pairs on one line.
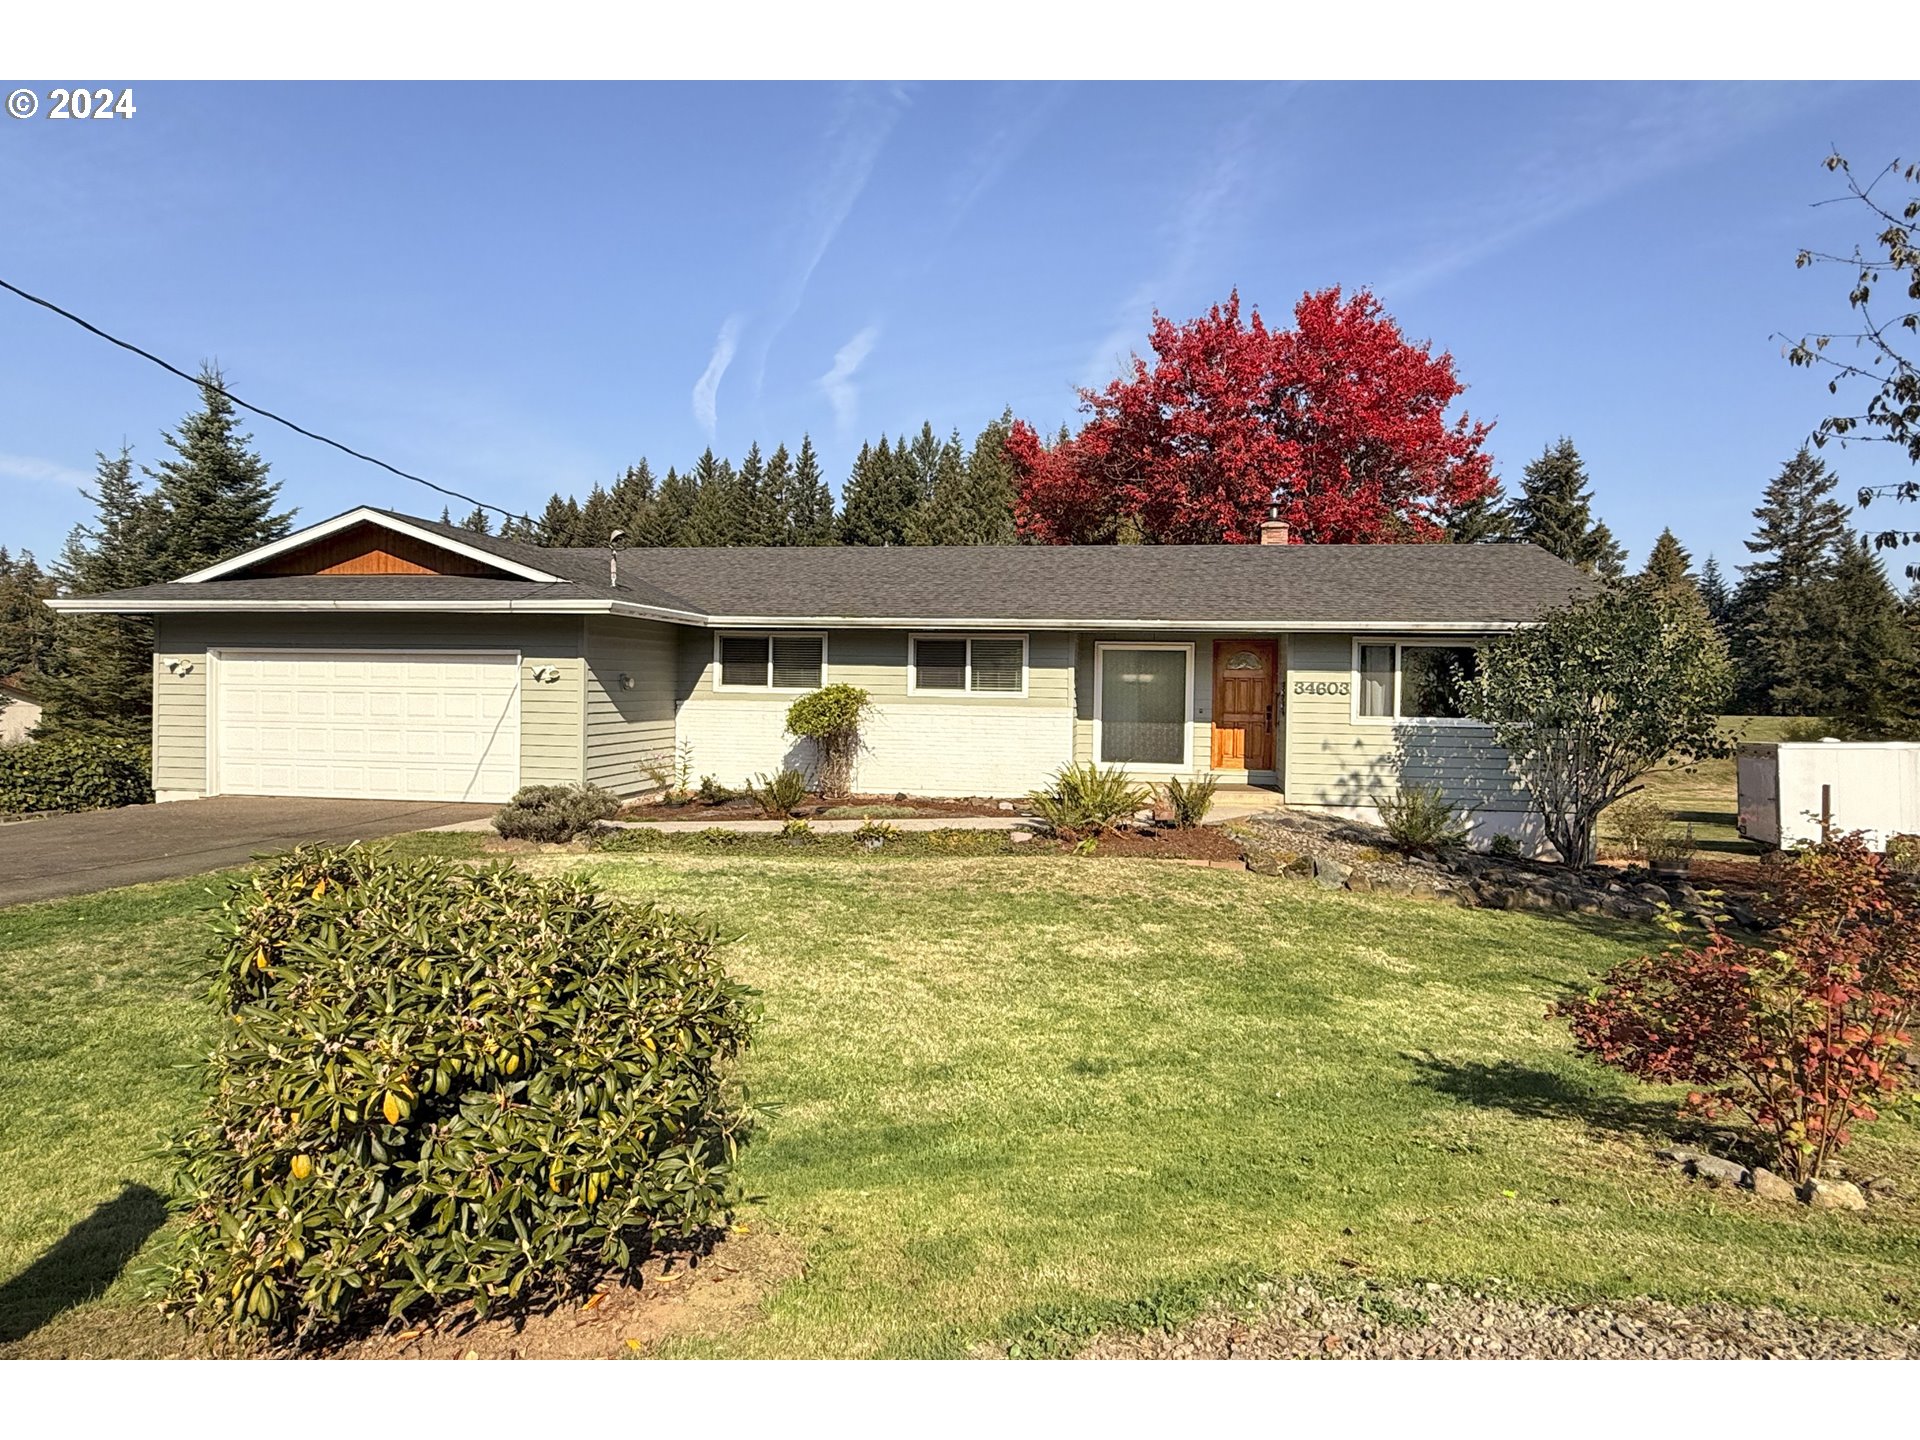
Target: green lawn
{"points": [[1707, 796], [1020, 1097]]}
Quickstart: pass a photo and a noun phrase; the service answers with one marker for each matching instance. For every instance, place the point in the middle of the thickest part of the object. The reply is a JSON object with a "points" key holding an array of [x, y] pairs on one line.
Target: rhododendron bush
{"points": [[1342, 414], [1799, 1040]]}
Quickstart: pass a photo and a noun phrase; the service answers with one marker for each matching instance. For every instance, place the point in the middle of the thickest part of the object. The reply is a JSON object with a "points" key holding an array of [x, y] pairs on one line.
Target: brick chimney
{"points": [[1274, 530]]}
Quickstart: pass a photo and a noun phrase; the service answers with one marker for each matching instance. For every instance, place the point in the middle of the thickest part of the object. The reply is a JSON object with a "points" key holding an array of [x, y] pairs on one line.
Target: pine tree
{"points": [[990, 484], [598, 518], [754, 508], [715, 516], [560, 522], [1775, 638], [103, 664], [1485, 521], [872, 510], [478, 521], [777, 499], [1555, 512], [946, 516], [630, 499], [811, 511], [27, 627], [665, 522], [1669, 566], [214, 496], [1864, 680], [1609, 555], [1714, 592]]}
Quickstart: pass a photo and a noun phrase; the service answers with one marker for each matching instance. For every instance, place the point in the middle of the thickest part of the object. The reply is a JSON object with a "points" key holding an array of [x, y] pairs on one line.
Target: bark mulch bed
{"points": [[741, 807], [1429, 1322], [1207, 843]]}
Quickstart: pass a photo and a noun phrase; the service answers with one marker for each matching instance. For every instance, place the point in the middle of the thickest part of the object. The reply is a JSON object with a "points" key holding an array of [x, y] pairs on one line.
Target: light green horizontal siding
{"points": [[631, 665], [1332, 759], [552, 714], [179, 718], [876, 661]]}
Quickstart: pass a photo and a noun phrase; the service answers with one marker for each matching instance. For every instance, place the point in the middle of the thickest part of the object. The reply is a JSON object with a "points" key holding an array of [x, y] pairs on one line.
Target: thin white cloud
{"points": [[706, 390], [838, 384], [1623, 137], [42, 472], [1206, 215], [862, 121]]}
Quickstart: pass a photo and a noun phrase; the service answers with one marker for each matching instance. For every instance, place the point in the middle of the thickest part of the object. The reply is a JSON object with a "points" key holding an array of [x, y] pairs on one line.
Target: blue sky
{"points": [[518, 289]]}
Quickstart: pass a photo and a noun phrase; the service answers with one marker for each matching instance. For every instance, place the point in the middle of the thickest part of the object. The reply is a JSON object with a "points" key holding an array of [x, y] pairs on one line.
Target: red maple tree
{"points": [[1341, 414]]}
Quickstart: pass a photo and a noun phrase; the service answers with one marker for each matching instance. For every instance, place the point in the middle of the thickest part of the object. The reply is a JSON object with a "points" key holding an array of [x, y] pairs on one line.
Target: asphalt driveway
{"points": [[75, 854]]}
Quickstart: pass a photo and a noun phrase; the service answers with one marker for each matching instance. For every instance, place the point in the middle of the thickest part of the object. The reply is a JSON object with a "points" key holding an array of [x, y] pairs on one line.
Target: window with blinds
{"points": [[1146, 702], [774, 661], [969, 664]]}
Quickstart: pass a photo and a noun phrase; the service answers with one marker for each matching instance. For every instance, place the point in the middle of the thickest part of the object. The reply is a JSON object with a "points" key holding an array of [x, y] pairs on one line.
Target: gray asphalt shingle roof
{"points": [[1199, 584]]}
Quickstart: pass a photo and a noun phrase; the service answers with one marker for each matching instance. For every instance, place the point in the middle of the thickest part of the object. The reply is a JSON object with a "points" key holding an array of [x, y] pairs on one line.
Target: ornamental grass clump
{"points": [[1799, 1039], [1086, 800], [436, 1085], [1190, 800]]}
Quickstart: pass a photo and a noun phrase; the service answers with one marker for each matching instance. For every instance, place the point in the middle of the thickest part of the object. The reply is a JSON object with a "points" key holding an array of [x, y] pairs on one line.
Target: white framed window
{"points": [[770, 661], [976, 665], [1143, 705], [1413, 680]]}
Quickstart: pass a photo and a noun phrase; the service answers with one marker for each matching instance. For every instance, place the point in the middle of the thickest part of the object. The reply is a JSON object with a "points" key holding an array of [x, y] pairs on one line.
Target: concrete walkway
{"points": [[78, 854]]}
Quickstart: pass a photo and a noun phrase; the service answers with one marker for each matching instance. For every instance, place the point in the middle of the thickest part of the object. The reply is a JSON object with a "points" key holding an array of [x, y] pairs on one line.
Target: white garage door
{"points": [[391, 725]]}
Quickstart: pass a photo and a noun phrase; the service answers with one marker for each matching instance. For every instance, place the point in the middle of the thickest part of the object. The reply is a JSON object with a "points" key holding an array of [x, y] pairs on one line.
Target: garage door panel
{"points": [[394, 726]]}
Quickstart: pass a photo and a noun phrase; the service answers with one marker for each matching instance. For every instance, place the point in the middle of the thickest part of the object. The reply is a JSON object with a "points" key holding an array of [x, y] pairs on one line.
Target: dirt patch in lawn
{"points": [[672, 1298], [897, 807]]}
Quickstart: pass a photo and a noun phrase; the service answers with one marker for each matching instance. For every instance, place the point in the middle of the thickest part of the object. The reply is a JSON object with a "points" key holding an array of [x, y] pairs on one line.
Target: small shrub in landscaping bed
{"points": [[73, 774], [797, 831], [1088, 800], [1638, 821], [554, 814], [1504, 847], [831, 717], [1800, 1039], [780, 794], [712, 792], [1190, 800], [875, 833], [433, 1084], [1421, 817]]}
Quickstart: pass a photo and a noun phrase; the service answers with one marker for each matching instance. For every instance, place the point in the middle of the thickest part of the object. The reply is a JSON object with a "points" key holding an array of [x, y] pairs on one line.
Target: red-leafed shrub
{"points": [[1798, 1041]]}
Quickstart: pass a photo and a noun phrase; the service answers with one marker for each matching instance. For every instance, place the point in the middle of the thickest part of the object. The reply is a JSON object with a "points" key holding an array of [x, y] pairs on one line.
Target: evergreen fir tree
{"points": [[811, 512], [598, 518], [1486, 521], [715, 516], [478, 521], [1774, 635], [945, 516], [1555, 511], [631, 498], [104, 663], [777, 499], [213, 494], [560, 522], [990, 485], [1609, 555], [446, 516], [754, 508], [27, 626], [872, 510], [1669, 566], [665, 522], [1714, 592], [1865, 680]]}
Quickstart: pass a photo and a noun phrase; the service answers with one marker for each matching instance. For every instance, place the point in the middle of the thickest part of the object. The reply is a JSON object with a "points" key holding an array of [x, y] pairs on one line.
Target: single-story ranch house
{"points": [[376, 654]]}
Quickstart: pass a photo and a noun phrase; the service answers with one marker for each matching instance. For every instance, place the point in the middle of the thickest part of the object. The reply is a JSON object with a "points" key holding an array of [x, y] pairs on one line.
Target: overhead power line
{"points": [[93, 329]]}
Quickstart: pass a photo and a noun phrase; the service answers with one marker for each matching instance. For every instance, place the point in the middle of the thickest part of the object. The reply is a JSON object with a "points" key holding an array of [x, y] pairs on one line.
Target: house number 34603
{"points": [[1323, 687]]}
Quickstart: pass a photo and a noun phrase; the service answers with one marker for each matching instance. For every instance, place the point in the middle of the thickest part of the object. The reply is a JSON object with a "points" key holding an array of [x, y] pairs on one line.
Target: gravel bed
{"points": [[1427, 1322]]}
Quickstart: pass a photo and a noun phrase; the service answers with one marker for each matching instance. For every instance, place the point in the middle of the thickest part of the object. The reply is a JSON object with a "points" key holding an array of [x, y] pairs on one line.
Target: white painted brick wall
{"points": [[919, 749]]}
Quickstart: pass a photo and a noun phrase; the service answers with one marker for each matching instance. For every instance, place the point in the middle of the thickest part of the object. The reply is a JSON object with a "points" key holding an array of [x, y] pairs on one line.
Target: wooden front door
{"points": [[1245, 686]]}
